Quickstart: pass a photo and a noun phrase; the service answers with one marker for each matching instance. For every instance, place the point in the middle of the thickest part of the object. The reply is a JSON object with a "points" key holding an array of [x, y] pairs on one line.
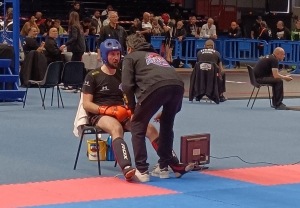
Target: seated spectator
{"points": [[209, 30], [191, 28], [9, 20], [295, 36], [86, 23], [96, 21], [134, 27], [92, 31], [60, 29], [30, 42], [145, 27], [208, 54], [179, 33], [30, 23], [282, 33], [38, 18], [52, 51], [45, 27], [157, 30]]}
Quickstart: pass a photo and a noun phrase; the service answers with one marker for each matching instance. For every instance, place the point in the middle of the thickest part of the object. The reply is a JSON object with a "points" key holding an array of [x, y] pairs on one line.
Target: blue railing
{"points": [[232, 50]]}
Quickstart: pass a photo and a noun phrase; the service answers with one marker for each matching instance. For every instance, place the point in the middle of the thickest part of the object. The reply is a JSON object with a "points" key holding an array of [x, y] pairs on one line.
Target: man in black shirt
{"points": [[266, 72], [30, 42], [150, 79], [52, 51], [255, 30], [114, 31], [210, 55], [145, 27]]}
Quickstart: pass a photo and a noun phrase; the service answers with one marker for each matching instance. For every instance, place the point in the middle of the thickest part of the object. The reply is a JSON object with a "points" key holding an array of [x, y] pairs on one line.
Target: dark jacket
{"points": [[34, 67], [117, 33], [76, 41], [52, 51], [143, 72], [204, 81], [234, 33], [265, 34]]}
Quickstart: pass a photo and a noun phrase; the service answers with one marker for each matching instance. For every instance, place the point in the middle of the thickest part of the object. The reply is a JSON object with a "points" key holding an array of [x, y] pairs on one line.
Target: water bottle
{"points": [[109, 150]]}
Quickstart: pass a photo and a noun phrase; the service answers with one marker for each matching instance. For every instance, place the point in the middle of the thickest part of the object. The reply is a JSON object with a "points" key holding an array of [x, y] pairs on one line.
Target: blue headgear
{"points": [[107, 46]]}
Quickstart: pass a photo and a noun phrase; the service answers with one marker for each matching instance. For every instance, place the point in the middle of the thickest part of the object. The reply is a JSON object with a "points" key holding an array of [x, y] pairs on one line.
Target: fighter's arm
{"points": [[88, 104], [128, 83]]}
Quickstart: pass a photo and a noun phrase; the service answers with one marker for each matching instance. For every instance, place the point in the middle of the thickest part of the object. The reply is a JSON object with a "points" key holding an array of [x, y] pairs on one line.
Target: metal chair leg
{"points": [[78, 151], [116, 163], [62, 103], [43, 103], [24, 101], [97, 148], [45, 93], [250, 96], [255, 97], [57, 93], [52, 96], [269, 96]]}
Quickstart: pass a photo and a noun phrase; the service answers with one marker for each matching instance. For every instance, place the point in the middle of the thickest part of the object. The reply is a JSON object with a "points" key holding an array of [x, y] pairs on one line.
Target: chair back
{"points": [[53, 74], [73, 73], [252, 76]]}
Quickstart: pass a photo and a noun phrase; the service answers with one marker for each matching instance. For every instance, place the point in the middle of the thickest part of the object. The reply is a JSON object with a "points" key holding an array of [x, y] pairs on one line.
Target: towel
{"points": [[80, 119]]}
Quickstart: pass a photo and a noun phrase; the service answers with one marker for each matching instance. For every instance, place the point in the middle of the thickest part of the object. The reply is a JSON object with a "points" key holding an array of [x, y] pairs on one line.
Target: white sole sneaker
{"points": [[141, 177], [157, 172]]}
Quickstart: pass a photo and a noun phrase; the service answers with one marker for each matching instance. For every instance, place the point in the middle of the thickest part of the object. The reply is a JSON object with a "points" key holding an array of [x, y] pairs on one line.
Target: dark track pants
{"points": [[170, 98], [277, 88]]}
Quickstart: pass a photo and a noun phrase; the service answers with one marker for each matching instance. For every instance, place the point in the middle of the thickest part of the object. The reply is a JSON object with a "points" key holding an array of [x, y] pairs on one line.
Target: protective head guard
{"points": [[107, 46]]}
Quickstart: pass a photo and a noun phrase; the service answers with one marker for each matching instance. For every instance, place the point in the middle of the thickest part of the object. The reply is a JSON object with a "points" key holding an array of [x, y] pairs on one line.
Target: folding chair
{"points": [[73, 74], [87, 129], [256, 85], [50, 80]]}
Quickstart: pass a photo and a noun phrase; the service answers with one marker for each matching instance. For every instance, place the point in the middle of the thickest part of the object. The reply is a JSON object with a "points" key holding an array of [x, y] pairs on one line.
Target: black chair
{"points": [[87, 129], [73, 74], [50, 80], [256, 85]]}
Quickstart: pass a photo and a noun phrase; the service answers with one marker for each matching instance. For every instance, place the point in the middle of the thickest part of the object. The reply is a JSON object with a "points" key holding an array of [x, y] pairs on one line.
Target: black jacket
{"points": [[143, 72], [52, 51], [33, 68], [204, 82], [118, 33], [76, 41], [234, 33]]}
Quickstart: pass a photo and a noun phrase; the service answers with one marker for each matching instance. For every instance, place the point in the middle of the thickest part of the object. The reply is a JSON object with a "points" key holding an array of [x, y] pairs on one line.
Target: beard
{"points": [[113, 65]]}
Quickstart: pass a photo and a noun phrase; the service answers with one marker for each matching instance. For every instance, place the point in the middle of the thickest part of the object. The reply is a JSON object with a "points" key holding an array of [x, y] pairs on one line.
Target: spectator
{"points": [[76, 8], [134, 27], [179, 33], [45, 27], [60, 29], [265, 34], [106, 21], [235, 32], [86, 23], [38, 18], [30, 42], [145, 27], [104, 14], [76, 41], [30, 23], [112, 31], [295, 36], [151, 17], [191, 28], [209, 30], [96, 21], [157, 30], [282, 33], [52, 51], [256, 28]]}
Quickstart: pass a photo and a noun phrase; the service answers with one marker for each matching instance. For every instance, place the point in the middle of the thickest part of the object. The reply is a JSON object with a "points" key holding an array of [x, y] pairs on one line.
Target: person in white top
{"points": [[209, 30]]}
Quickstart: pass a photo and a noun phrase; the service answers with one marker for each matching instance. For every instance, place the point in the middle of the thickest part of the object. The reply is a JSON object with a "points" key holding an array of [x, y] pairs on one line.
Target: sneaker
{"points": [[129, 172], [282, 107], [141, 177], [181, 169], [162, 173]]}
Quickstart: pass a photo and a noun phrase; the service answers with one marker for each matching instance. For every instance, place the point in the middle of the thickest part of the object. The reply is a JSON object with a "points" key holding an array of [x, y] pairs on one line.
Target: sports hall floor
{"points": [[254, 156]]}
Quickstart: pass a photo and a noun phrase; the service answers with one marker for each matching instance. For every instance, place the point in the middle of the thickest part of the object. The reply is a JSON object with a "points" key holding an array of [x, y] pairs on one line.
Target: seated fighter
{"points": [[103, 100], [266, 72], [210, 55]]}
